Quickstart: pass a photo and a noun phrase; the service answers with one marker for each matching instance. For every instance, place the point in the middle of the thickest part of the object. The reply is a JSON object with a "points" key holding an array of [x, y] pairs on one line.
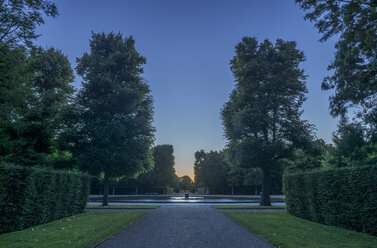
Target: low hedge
{"points": [[30, 196], [345, 197]]}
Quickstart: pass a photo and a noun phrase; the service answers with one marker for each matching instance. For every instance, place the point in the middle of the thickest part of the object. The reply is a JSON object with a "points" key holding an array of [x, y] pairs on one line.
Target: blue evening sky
{"points": [[188, 45]]}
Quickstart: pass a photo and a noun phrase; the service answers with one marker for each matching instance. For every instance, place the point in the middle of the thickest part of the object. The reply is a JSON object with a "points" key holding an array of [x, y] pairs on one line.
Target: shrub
{"points": [[30, 196], [345, 197]]}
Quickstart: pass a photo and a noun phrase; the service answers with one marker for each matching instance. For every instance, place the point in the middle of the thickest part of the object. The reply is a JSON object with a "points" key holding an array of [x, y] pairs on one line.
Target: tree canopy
{"points": [[185, 183], [355, 64], [19, 19], [114, 131], [35, 90], [211, 169], [262, 119], [163, 172]]}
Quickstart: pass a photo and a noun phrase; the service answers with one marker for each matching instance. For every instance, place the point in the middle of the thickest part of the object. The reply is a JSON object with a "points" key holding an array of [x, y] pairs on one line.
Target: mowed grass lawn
{"points": [[247, 207], [123, 207], [82, 230], [287, 231]]}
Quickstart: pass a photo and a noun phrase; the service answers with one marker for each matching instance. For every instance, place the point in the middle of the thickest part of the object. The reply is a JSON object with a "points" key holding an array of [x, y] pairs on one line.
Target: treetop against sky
{"points": [[188, 46]]}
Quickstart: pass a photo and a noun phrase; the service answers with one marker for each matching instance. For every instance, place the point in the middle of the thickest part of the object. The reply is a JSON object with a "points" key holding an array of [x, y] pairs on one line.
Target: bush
{"points": [[345, 197], [32, 196]]}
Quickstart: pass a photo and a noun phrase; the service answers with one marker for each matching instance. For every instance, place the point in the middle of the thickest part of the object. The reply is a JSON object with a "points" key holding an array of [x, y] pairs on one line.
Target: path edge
{"points": [[265, 240], [115, 233]]}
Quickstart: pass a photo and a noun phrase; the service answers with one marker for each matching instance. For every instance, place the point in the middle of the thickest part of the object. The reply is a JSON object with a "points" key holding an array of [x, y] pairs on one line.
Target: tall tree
{"points": [[19, 19], [349, 141], [16, 94], [115, 131], [210, 169], [355, 63], [235, 177], [253, 178], [185, 183], [163, 171], [262, 119], [35, 93], [313, 157], [52, 82], [20, 99]]}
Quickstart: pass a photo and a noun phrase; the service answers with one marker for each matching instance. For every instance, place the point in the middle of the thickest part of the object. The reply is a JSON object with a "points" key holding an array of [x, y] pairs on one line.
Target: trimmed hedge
{"points": [[31, 196], [345, 197]]}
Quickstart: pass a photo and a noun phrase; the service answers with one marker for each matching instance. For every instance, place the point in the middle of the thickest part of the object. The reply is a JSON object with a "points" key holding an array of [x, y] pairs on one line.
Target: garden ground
{"points": [[186, 226], [79, 231], [284, 230]]}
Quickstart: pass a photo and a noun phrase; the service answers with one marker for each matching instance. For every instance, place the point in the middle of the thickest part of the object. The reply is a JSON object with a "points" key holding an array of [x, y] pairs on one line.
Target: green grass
{"points": [[82, 230], [287, 231], [123, 206], [246, 207]]}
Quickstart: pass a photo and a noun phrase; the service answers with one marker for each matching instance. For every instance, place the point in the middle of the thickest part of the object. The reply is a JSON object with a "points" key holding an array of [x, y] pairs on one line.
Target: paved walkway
{"points": [[185, 227]]}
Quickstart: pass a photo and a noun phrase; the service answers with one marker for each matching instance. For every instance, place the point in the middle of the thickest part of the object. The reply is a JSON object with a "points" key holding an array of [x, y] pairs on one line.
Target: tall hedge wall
{"points": [[32, 196], [345, 197]]}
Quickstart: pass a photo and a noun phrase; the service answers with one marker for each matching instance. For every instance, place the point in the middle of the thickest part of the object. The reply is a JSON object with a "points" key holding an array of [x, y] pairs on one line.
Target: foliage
{"points": [[78, 231], [35, 89], [253, 177], [317, 155], [31, 196], [344, 197], [355, 63], [163, 172], [210, 169], [115, 133], [15, 94], [284, 230], [52, 94], [236, 175], [354, 145], [186, 183], [262, 117], [19, 19]]}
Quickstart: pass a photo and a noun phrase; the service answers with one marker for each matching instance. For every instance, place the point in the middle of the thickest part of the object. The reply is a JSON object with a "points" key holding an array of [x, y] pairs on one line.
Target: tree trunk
{"points": [[207, 190], [232, 190], [136, 190], [265, 197], [105, 191]]}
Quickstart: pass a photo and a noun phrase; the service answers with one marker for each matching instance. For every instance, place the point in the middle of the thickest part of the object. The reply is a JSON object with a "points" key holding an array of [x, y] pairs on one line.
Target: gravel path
{"points": [[185, 226]]}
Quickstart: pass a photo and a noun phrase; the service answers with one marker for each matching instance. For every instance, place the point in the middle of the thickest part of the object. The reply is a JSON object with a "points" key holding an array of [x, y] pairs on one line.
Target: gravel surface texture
{"points": [[185, 226]]}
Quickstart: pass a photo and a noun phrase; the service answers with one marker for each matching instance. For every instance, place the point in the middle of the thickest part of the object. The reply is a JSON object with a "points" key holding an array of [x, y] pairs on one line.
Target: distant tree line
{"points": [[160, 180]]}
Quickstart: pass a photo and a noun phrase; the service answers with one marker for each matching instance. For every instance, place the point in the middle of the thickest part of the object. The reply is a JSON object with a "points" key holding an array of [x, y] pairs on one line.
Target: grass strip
{"points": [[287, 231], [246, 207], [78, 231], [123, 207]]}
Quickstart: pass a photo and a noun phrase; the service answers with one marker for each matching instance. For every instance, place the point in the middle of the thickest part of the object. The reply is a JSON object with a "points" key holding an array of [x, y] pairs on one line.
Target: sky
{"points": [[188, 45]]}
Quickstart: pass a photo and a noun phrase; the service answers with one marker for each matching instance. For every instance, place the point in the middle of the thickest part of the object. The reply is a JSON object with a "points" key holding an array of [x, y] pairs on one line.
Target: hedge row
{"points": [[32, 196], [345, 197]]}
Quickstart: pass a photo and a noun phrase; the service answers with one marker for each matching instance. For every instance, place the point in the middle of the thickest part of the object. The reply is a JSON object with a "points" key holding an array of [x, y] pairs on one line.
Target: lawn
{"points": [[82, 230], [246, 207], [287, 231], [123, 206]]}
